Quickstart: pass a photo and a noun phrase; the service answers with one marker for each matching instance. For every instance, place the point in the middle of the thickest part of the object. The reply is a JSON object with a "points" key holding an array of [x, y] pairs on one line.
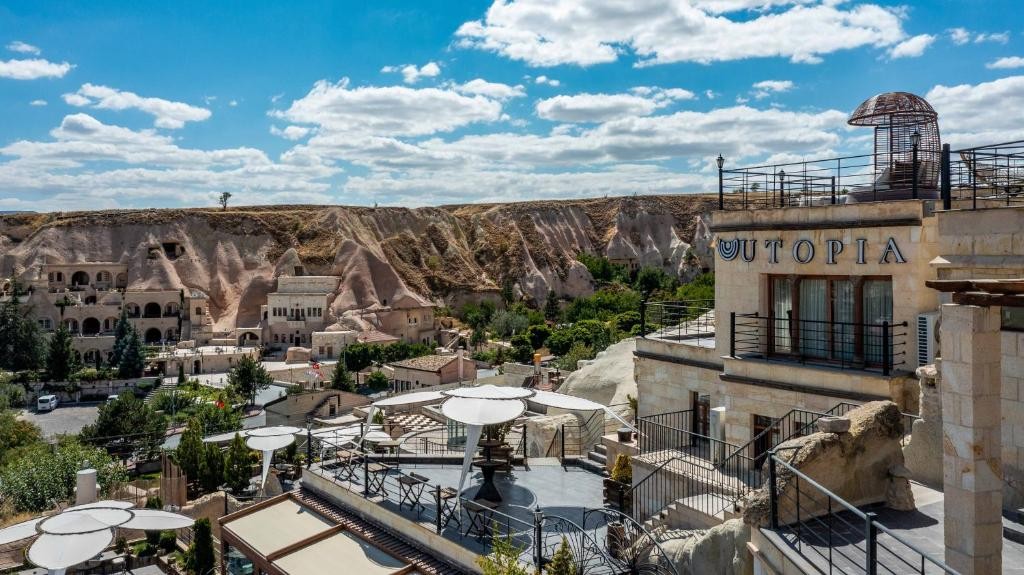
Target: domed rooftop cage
{"points": [[906, 135]]}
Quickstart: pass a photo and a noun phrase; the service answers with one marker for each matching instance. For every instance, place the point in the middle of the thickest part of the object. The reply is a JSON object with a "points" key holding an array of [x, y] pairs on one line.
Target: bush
{"points": [[378, 381], [38, 477], [12, 395], [622, 471], [168, 541], [503, 560], [506, 323]]}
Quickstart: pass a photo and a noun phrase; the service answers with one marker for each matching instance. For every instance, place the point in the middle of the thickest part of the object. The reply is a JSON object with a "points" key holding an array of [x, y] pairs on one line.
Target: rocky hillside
{"points": [[444, 254]]}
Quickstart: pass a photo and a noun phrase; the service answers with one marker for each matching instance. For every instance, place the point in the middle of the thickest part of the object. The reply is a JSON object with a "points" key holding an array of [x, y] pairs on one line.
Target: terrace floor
{"points": [[922, 528]]}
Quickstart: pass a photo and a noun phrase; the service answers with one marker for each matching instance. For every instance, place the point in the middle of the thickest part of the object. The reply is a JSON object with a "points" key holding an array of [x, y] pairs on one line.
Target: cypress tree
{"points": [[133, 358], [551, 308], [237, 466], [200, 560], [61, 361], [341, 379], [22, 345], [190, 451], [561, 561], [121, 331], [212, 469], [181, 373]]}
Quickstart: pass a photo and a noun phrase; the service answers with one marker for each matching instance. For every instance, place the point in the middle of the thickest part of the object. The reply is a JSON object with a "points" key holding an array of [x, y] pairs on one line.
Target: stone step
{"points": [[1013, 525], [592, 466], [602, 449], [597, 457]]}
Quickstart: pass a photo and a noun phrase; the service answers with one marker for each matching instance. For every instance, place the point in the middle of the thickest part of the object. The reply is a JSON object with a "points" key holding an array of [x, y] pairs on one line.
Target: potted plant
{"points": [[621, 480]]}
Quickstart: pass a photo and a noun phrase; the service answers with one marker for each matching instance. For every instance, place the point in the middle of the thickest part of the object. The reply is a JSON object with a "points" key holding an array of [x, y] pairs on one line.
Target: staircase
{"points": [[596, 460], [165, 385]]}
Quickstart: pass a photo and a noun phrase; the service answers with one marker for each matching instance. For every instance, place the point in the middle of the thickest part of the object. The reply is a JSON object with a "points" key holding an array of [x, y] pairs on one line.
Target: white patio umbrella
{"points": [[268, 440], [476, 412], [80, 533], [573, 403], [490, 392], [410, 398]]}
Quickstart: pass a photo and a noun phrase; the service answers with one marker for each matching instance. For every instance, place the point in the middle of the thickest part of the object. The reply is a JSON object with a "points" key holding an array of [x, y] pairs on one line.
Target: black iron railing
{"points": [[847, 345], [677, 320], [984, 177], [575, 440], [832, 534]]}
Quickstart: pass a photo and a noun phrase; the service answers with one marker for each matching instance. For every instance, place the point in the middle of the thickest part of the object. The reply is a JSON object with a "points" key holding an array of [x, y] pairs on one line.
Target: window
{"points": [[1012, 318], [830, 317], [199, 311]]}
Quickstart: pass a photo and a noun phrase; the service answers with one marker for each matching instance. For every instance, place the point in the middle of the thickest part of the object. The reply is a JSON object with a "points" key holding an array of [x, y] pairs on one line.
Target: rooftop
{"points": [[426, 362]]}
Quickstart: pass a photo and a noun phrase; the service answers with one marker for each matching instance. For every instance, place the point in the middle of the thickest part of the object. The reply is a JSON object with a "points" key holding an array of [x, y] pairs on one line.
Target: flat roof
{"points": [[326, 556], [430, 363], [277, 526]]}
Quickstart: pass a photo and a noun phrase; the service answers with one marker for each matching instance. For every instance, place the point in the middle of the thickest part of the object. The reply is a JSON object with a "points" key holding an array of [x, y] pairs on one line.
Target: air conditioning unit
{"points": [[927, 337]]}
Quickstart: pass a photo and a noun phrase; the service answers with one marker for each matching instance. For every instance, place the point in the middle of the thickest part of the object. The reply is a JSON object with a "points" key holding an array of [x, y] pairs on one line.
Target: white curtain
{"points": [[813, 317]]}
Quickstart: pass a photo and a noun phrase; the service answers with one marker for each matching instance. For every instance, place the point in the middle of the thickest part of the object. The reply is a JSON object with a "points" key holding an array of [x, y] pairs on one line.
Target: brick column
{"points": [[972, 463]]}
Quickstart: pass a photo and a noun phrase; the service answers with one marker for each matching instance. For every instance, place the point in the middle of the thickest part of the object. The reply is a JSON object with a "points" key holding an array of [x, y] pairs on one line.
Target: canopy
{"points": [[490, 392], [224, 437], [336, 431], [19, 531], [472, 411], [375, 436], [563, 401], [411, 398], [107, 503], [85, 521], [156, 520], [56, 552], [268, 440]]}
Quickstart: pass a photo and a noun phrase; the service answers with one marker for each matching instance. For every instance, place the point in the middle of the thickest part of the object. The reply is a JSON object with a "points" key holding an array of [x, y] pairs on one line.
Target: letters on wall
{"points": [[804, 251]]}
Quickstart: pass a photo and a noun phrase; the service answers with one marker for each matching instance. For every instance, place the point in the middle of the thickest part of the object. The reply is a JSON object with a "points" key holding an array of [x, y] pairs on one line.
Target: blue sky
{"points": [[146, 104]]}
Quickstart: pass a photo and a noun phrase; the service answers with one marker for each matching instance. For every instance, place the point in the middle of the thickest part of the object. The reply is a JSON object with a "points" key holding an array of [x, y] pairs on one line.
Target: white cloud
{"points": [[233, 103], [978, 114], [912, 47], [411, 74], [766, 88], [168, 114], [291, 132], [643, 101], [494, 90], [995, 37], [23, 48], [1006, 63], [33, 69], [554, 32], [710, 94], [388, 110], [961, 36], [37, 103], [548, 81]]}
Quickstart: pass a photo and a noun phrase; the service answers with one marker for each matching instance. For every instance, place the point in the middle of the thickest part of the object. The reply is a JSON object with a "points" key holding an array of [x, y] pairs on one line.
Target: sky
{"points": [[429, 102]]}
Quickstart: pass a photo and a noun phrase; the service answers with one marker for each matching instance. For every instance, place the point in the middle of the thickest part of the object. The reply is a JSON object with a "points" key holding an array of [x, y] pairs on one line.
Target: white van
{"points": [[46, 403]]}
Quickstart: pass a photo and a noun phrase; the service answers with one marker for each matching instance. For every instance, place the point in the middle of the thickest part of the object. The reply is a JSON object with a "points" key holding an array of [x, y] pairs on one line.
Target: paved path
{"points": [[67, 418]]}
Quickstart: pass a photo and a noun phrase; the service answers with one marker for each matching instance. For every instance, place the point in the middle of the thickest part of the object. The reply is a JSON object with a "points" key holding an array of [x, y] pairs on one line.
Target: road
{"points": [[64, 419]]}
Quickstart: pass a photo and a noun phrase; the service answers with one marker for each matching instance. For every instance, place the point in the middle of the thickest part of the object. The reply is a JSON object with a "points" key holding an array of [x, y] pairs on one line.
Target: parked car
{"points": [[47, 403], [112, 398]]}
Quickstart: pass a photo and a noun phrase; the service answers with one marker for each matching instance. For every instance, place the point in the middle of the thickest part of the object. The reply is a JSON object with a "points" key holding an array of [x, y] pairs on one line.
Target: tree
{"points": [[223, 200], [237, 466], [538, 334], [248, 378], [121, 331], [522, 351], [16, 435], [503, 560], [199, 557], [562, 561], [378, 381], [190, 451], [211, 470], [61, 361], [358, 356], [506, 323], [181, 373], [217, 418], [552, 309], [41, 476], [341, 379], [508, 294], [478, 338], [133, 358], [127, 425], [649, 279], [571, 358], [22, 345]]}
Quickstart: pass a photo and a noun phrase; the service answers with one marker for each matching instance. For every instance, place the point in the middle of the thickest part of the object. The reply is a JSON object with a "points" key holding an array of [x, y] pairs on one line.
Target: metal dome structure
{"points": [[900, 119]]}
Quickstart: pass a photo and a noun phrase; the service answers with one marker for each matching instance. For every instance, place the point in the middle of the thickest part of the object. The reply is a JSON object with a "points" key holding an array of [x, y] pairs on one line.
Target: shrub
{"points": [[168, 541], [503, 560], [39, 476], [622, 471]]}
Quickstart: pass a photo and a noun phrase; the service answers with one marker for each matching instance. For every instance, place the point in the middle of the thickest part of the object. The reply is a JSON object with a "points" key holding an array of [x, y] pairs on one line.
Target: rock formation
{"points": [[721, 549], [862, 466], [445, 254], [606, 379], [923, 454]]}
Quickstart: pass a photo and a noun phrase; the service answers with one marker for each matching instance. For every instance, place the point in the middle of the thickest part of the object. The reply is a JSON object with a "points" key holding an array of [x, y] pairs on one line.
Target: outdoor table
{"points": [[480, 514], [448, 507], [378, 472], [411, 487], [488, 491], [391, 445]]}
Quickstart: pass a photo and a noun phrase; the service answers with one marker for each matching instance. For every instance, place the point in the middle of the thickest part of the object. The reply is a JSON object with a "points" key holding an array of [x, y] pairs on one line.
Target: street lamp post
{"points": [[782, 188], [915, 140], [721, 190]]}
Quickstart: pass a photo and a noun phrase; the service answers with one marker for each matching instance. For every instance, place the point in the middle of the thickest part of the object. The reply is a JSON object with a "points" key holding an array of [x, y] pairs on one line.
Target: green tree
{"points": [[211, 470], [341, 379], [570, 359], [508, 294], [237, 465], [651, 279], [503, 560], [199, 558], [181, 373], [562, 562], [190, 451], [126, 425], [22, 345], [478, 338], [16, 435], [701, 287], [522, 351], [133, 358], [602, 269], [552, 309], [538, 334], [506, 323], [61, 361], [223, 200], [40, 476], [122, 329], [214, 418], [378, 381], [248, 378], [358, 356]]}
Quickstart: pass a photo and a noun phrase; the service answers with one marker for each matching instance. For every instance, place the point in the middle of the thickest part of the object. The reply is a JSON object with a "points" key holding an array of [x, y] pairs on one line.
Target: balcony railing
{"points": [[678, 320], [845, 345], [986, 176]]}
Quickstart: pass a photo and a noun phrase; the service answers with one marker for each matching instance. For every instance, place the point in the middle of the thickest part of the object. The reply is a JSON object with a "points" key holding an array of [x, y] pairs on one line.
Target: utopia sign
{"points": [[804, 251]]}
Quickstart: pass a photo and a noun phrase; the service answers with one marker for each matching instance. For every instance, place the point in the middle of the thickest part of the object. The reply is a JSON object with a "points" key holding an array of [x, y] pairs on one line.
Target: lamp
{"points": [[915, 138], [782, 188], [721, 190], [720, 161]]}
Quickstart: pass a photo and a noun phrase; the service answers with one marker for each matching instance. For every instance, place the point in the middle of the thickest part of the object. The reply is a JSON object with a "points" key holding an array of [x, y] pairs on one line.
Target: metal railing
{"points": [[846, 345], [983, 177], [677, 320], [824, 528], [578, 439], [830, 181]]}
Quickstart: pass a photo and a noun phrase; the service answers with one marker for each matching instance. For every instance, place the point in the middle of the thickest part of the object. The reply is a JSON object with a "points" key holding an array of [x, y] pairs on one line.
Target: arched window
{"points": [[90, 326], [152, 309], [80, 278], [153, 335]]}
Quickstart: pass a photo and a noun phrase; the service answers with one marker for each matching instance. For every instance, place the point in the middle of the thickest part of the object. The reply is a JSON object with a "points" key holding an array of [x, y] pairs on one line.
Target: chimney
{"points": [[85, 486]]}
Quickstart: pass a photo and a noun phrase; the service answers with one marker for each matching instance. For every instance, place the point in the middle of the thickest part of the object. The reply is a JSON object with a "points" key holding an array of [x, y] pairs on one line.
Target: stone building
{"points": [[431, 370], [299, 307]]}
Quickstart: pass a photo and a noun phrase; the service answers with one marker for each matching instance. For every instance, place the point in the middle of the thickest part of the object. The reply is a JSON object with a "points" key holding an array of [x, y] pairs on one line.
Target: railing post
{"points": [[833, 190], [366, 476], [974, 179], [947, 184], [914, 178], [886, 360], [526, 446], [538, 532], [773, 496], [437, 504], [643, 317], [732, 334], [870, 544], [563, 443]]}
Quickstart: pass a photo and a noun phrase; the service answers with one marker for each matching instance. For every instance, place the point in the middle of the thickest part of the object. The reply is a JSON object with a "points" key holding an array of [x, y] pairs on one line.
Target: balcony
{"points": [[877, 347], [986, 176]]}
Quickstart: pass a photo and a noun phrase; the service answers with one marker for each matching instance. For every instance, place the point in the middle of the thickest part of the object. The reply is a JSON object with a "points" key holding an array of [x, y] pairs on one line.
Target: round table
{"points": [[488, 490]]}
